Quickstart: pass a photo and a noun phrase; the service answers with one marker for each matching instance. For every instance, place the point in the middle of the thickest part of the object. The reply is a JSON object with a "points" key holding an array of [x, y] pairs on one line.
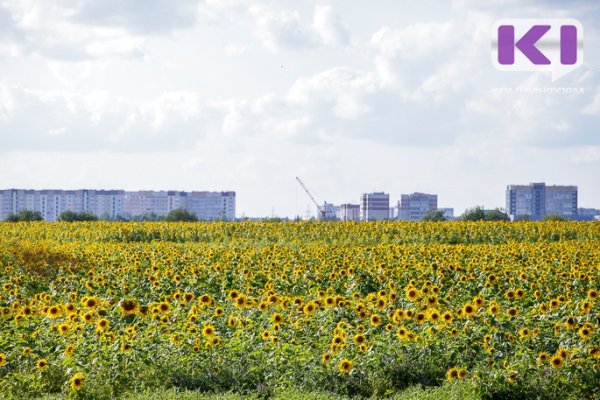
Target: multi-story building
{"points": [[374, 206], [110, 204], [588, 214], [537, 200], [413, 207], [211, 205], [349, 212], [331, 211]]}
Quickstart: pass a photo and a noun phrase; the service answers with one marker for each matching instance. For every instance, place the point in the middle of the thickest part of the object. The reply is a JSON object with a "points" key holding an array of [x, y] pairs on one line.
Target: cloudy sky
{"points": [[245, 95]]}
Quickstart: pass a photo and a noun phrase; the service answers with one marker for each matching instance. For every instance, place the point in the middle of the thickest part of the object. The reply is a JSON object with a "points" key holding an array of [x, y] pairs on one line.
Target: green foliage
{"points": [[450, 391], [181, 215], [496, 215], [434, 216], [554, 217], [479, 214], [25, 216], [72, 216], [474, 214]]}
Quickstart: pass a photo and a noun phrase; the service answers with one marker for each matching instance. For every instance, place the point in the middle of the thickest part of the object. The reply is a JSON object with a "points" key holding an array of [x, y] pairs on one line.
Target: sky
{"points": [[245, 95]]}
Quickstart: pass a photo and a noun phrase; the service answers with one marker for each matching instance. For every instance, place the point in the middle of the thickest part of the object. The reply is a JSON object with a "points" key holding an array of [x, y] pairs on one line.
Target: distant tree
{"points": [[72, 216], [434, 216], [150, 216], [25, 215], [496, 215], [474, 214], [554, 217], [181, 215]]}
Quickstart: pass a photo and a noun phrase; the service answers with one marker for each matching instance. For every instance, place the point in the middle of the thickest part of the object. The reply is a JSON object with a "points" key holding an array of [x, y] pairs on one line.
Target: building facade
{"points": [[537, 200], [349, 212], [374, 206], [331, 212], [413, 207], [112, 204]]}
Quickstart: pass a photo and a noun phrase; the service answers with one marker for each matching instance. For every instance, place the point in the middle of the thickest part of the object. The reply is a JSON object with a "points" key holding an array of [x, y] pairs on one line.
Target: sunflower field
{"points": [[95, 310]]}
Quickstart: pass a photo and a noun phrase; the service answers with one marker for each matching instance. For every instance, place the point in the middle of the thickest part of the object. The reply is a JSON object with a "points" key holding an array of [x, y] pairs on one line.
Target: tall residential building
{"points": [[349, 212], [211, 205], [110, 204], [374, 206], [413, 207], [537, 200]]}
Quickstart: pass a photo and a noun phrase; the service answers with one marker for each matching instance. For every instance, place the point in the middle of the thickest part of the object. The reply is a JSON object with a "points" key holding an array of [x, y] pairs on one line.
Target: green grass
{"points": [[454, 391]]}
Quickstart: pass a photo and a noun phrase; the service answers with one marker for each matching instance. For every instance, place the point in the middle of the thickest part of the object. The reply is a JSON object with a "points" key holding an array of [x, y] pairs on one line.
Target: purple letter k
{"points": [[506, 44]]}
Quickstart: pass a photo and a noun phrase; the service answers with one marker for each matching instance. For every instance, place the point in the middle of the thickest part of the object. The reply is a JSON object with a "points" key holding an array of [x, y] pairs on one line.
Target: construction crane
{"points": [[321, 209]]}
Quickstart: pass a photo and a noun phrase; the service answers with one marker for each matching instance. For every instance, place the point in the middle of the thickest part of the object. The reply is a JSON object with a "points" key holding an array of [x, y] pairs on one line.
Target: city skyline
{"points": [[247, 95], [534, 201]]}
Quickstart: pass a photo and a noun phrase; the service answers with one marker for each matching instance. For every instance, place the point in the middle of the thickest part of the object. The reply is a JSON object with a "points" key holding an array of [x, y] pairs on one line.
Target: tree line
{"points": [[177, 215], [181, 215]]}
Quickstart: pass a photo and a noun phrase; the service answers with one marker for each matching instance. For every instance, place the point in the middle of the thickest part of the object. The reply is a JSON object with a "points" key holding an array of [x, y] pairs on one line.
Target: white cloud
{"points": [[593, 108], [586, 155], [278, 29], [195, 101], [328, 25]]}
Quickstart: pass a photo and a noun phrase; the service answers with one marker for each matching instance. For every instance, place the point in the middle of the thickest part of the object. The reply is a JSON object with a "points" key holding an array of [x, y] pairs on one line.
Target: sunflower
{"points": [[91, 302], [42, 364], [102, 325], [325, 358], [562, 353], [164, 307], [381, 303], [592, 294], [129, 306], [53, 312], [69, 350], [233, 294], [584, 332], [241, 301], [513, 312], [345, 366], [452, 374], [542, 358], [360, 338], [77, 381], [434, 315], [412, 294], [570, 323], [401, 332], [208, 331], [188, 297], [447, 317], [310, 308], [126, 348], [556, 361], [2, 359], [524, 333], [468, 310], [375, 320], [277, 318], [63, 328], [231, 321]]}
